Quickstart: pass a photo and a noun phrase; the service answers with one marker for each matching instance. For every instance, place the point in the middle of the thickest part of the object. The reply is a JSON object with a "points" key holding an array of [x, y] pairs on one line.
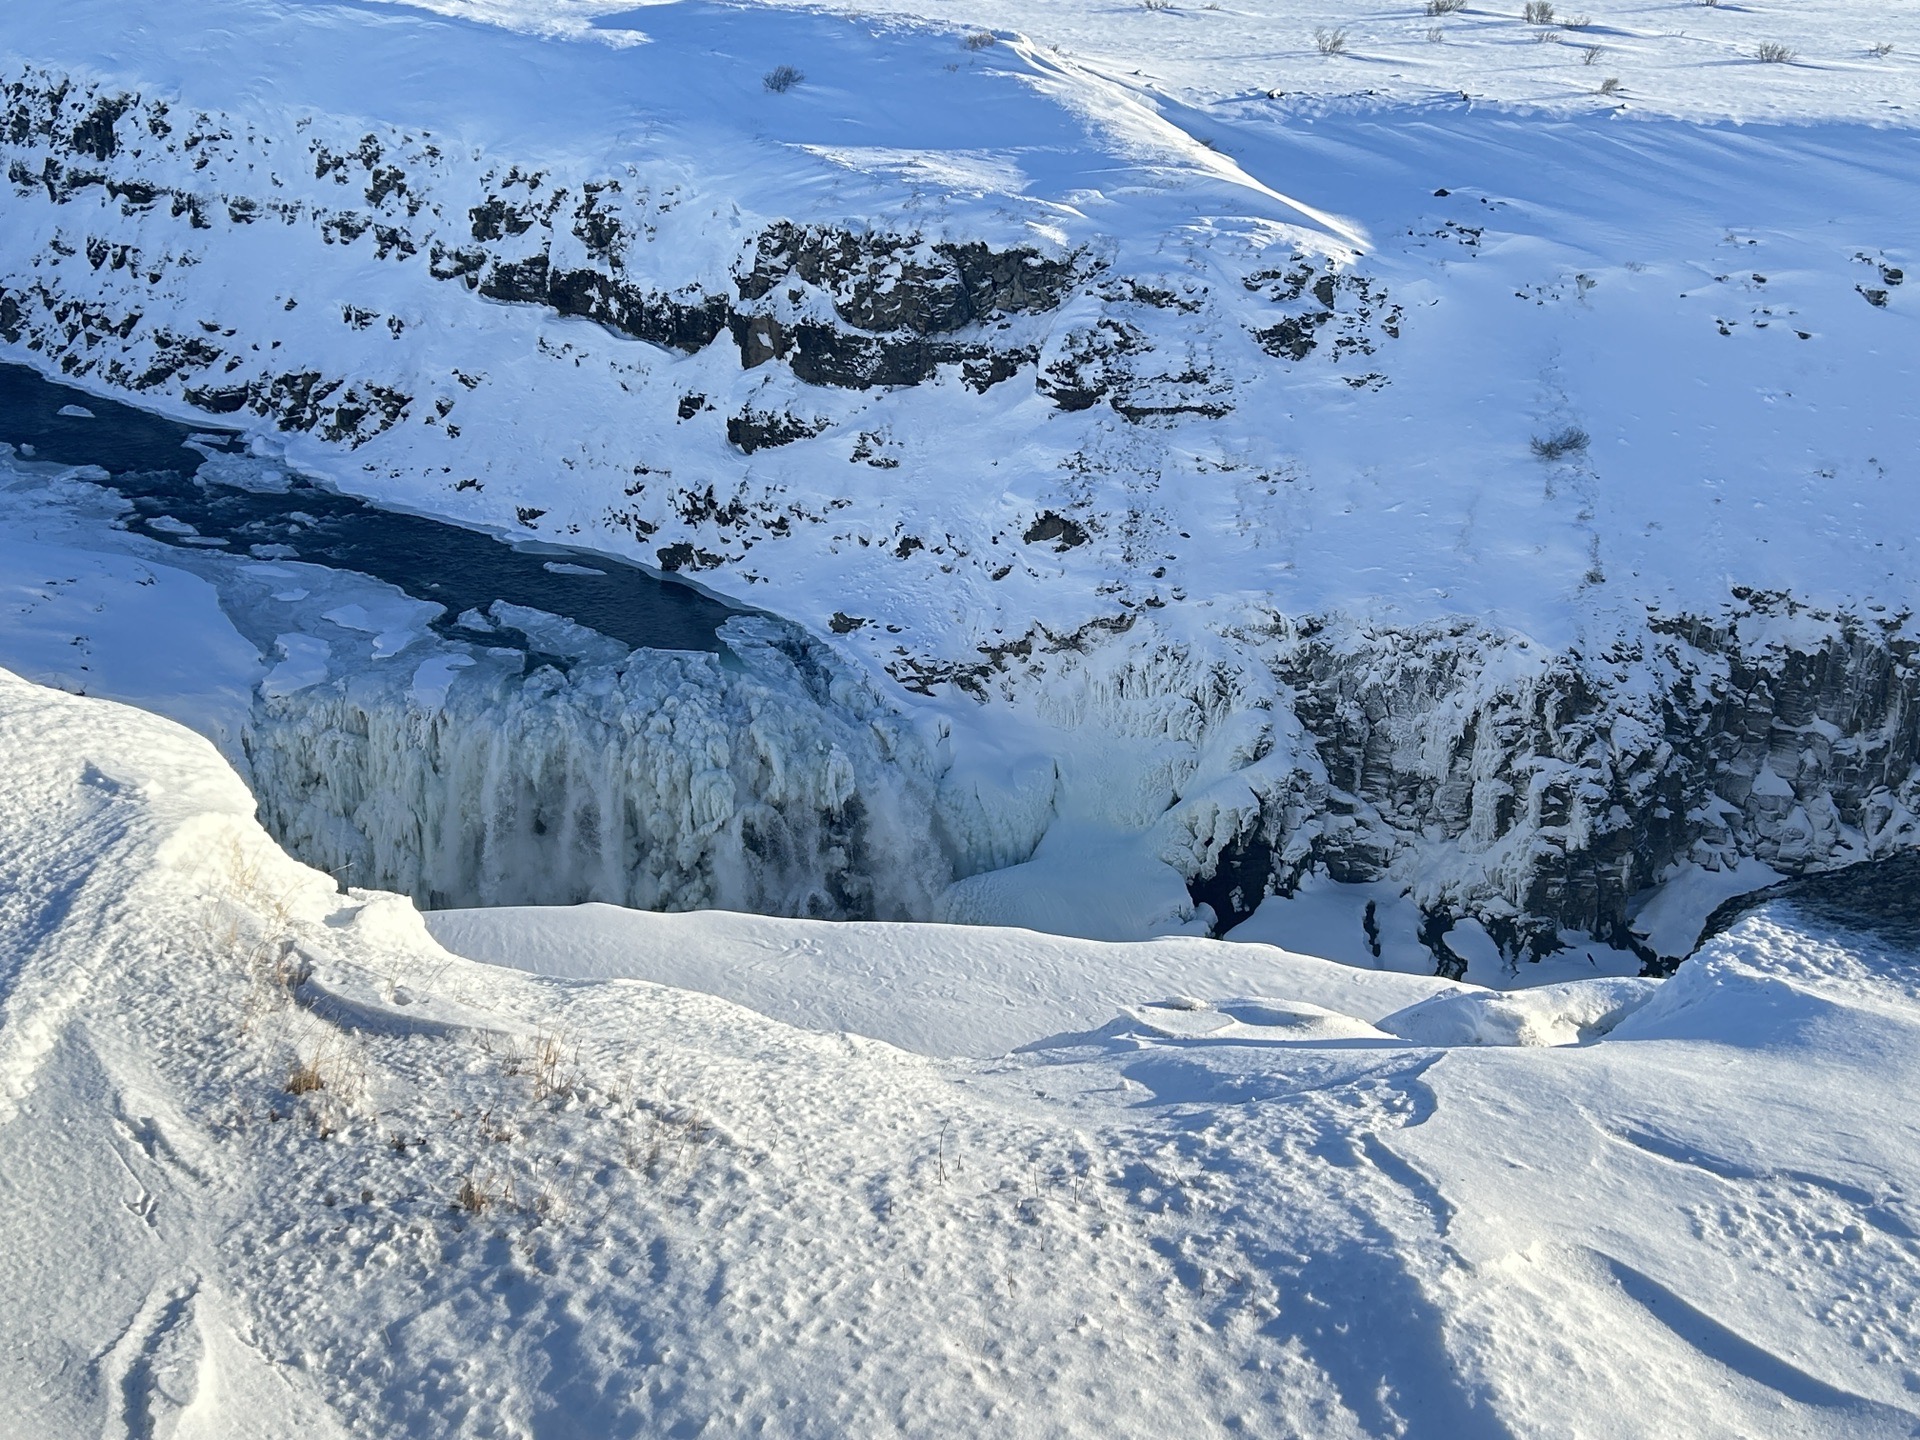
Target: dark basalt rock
{"points": [[95, 135], [884, 283], [1878, 896], [1050, 526], [685, 556], [901, 305], [1241, 877], [629, 309], [753, 430], [1295, 337]]}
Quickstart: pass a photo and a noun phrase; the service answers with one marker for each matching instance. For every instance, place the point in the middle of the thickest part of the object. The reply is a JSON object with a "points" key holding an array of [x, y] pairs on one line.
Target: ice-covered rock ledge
{"points": [[1543, 790], [1543, 793]]}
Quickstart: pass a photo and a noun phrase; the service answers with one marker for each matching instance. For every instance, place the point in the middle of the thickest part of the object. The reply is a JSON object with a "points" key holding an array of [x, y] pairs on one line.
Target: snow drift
{"points": [[278, 1164]]}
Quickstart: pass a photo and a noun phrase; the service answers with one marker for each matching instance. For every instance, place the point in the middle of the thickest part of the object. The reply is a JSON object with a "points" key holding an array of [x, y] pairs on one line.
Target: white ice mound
{"points": [[1248, 1021], [1570, 1013]]}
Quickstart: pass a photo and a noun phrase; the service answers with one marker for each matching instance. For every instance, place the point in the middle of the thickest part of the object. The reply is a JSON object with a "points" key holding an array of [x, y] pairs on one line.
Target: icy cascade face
{"points": [[1535, 790], [663, 780]]}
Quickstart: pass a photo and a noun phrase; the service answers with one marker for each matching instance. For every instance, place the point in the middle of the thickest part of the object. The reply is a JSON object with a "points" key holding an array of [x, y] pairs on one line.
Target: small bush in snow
{"points": [[1435, 35], [980, 40], [1882, 50], [1577, 22], [1609, 86], [1772, 52], [1158, 4], [1569, 440], [1445, 7], [1590, 54], [1330, 42], [1538, 12], [781, 79]]}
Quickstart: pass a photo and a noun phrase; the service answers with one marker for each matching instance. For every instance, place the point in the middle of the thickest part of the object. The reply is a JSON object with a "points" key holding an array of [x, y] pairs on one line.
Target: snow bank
{"points": [[935, 989], [279, 1164], [1573, 1012]]}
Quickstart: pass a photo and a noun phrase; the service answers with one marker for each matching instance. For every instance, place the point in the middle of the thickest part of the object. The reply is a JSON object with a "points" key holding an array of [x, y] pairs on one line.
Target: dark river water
{"points": [[149, 463], [1880, 897]]}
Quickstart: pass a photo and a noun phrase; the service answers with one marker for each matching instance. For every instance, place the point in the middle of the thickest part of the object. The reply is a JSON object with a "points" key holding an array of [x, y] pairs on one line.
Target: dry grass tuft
{"points": [[475, 1196], [550, 1062]]}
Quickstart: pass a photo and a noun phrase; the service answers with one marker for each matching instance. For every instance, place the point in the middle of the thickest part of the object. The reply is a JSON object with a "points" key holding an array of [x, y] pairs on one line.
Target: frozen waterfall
{"points": [[770, 779]]}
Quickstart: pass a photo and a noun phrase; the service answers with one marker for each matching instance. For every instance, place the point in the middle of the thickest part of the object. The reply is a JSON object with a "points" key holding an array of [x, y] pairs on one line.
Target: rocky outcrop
{"points": [[1541, 791], [842, 307], [861, 309]]}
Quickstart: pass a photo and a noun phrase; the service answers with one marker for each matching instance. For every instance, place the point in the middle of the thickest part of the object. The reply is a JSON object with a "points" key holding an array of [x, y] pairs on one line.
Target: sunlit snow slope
{"points": [[277, 1164]]}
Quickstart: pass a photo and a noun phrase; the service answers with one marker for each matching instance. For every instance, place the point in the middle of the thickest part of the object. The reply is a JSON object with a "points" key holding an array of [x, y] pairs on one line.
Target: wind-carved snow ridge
{"points": [[779, 784]]}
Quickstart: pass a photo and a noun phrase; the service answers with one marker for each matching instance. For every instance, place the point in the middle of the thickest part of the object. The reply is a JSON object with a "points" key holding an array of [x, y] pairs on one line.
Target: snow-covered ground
{"points": [[1413, 487], [278, 1164]]}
